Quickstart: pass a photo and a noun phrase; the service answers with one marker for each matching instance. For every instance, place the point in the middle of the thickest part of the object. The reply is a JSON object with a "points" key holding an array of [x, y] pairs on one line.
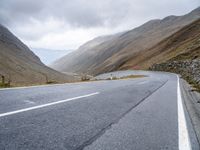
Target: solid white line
{"points": [[46, 105], [184, 140]]}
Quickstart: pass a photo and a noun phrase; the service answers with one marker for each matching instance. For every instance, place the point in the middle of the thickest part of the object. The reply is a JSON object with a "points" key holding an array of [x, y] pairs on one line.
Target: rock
{"points": [[189, 69]]}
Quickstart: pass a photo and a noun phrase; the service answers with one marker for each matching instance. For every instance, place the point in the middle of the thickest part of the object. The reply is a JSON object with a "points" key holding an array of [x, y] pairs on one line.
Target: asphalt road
{"points": [[132, 114]]}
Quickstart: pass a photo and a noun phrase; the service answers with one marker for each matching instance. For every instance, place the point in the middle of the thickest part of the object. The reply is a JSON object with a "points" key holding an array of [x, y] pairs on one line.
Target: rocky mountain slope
{"points": [[181, 54], [20, 66], [120, 51], [184, 44], [189, 69]]}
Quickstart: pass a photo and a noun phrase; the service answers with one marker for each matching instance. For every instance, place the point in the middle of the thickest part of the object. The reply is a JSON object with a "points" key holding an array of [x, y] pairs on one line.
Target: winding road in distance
{"points": [[130, 114]]}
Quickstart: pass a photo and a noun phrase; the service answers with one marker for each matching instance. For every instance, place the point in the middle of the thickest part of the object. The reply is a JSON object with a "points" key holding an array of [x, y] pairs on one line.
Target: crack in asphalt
{"points": [[103, 130]]}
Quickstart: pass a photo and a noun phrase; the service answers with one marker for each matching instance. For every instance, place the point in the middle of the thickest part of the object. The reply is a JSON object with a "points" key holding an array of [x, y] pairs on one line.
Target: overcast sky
{"points": [[66, 24]]}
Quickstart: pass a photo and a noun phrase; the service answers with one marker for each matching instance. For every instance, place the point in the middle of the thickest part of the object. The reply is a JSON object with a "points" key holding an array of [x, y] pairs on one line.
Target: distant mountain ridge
{"points": [[114, 53], [81, 56], [47, 56], [182, 45], [20, 66]]}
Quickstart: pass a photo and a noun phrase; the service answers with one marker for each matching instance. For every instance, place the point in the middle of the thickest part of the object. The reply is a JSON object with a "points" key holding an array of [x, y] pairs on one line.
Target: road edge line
{"points": [[183, 135]]}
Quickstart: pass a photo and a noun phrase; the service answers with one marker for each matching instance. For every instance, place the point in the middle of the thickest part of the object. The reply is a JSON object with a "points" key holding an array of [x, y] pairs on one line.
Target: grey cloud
{"points": [[75, 13], [87, 13], [17, 14], [19, 11]]}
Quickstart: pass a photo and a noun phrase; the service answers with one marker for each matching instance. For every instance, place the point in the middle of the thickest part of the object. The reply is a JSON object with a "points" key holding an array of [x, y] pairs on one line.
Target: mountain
{"points": [[20, 66], [79, 60], [180, 53], [119, 51], [182, 45], [48, 56]]}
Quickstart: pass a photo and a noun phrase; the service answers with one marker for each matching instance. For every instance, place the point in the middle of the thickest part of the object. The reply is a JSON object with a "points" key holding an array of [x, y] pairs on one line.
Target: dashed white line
{"points": [[46, 105], [184, 140]]}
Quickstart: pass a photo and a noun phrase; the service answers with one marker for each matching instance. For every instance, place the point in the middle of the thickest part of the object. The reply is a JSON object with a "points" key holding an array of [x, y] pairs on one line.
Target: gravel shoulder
{"points": [[192, 102]]}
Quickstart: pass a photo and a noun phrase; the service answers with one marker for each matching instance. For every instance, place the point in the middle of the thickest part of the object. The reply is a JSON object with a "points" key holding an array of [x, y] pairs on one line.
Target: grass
{"points": [[5, 85], [195, 86], [51, 82], [133, 76], [127, 77]]}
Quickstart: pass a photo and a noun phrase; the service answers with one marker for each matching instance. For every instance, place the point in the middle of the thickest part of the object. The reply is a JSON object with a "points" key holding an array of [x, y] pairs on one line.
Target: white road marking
{"points": [[143, 82], [28, 101], [45, 105], [184, 140]]}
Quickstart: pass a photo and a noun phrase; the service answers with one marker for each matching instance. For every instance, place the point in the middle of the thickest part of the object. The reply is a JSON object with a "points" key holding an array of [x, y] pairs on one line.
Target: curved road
{"points": [[132, 114]]}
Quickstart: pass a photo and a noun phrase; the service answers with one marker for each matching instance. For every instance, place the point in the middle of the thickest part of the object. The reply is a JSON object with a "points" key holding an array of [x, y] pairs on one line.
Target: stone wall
{"points": [[189, 69]]}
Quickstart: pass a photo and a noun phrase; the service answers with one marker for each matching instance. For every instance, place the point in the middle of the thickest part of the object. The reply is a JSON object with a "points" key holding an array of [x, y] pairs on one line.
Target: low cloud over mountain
{"points": [[65, 24]]}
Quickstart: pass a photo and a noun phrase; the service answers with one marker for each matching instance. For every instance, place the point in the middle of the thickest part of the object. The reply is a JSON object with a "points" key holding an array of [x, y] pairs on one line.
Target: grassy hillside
{"points": [[126, 50], [181, 54], [20, 66], [184, 44]]}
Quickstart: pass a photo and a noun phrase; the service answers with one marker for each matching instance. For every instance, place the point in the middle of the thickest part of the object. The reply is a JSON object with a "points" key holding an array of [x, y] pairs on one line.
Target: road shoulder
{"points": [[191, 99]]}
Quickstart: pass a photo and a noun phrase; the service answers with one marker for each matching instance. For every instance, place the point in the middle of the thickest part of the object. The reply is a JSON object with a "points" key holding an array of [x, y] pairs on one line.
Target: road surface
{"points": [[132, 114]]}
